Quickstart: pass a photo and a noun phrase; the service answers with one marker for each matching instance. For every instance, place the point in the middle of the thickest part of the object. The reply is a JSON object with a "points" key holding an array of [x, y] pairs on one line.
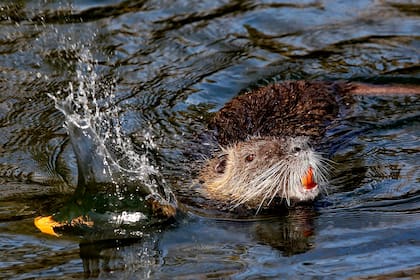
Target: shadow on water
{"points": [[157, 71]]}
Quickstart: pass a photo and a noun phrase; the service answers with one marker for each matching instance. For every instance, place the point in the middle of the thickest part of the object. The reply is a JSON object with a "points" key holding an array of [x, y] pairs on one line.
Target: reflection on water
{"points": [[169, 65], [199, 248]]}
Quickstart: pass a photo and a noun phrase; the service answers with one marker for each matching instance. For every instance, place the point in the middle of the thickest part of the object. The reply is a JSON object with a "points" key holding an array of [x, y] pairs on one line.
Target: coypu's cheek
{"points": [[307, 180]]}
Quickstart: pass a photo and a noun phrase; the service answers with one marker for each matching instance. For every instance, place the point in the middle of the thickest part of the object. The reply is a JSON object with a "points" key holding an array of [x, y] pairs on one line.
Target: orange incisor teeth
{"points": [[308, 180]]}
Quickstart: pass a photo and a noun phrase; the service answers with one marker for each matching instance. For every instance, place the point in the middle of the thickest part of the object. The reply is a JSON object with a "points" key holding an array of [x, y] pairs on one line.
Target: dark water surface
{"points": [[169, 65]]}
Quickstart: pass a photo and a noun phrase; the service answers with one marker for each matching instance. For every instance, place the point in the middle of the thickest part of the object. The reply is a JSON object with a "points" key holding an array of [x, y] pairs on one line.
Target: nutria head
{"points": [[256, 171]]}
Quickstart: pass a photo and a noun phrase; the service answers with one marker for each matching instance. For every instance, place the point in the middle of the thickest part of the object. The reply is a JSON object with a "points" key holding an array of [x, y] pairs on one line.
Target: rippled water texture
{"points": [[169, 65]]}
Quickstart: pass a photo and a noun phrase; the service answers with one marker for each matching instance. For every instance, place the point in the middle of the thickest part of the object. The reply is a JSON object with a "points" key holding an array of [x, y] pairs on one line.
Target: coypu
{"points": [[266, 156], [266, 137]]}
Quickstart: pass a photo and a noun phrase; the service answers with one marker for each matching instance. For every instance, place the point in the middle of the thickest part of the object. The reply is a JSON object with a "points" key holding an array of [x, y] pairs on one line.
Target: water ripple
{"points": [[174, 63]]}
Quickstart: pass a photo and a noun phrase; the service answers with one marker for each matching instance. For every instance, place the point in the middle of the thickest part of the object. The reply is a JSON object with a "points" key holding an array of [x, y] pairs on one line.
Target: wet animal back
{"points": [[286, 109]]}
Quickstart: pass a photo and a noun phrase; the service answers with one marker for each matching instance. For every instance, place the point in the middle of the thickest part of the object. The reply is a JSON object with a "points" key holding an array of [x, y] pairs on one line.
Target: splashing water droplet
{"points": [[104, 155]]}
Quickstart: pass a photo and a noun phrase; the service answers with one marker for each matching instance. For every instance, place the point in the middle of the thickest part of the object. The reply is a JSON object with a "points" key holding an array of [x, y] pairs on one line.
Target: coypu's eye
{"points": [[297, 149], [250, 157]]}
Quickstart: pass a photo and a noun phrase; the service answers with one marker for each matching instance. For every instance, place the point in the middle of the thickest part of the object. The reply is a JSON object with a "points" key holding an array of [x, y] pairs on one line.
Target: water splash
{"points": [[106, 159]]}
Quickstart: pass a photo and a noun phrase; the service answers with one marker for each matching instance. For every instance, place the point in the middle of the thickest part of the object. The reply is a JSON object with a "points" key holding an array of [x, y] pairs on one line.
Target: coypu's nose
{"points": [[308, 180]]}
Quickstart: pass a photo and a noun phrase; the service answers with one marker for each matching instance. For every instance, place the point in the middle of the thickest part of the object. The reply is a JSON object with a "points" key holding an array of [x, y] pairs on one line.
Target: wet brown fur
{"points": [[286, 109], [290, 109]]}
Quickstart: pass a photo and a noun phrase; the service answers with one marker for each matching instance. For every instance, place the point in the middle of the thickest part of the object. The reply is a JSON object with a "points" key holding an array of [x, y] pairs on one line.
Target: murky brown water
{"points": [[170, 64]]}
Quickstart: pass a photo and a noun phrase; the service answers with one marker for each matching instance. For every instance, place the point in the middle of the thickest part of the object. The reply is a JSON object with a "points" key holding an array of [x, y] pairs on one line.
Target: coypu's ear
{"points": [[221, 164]]}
